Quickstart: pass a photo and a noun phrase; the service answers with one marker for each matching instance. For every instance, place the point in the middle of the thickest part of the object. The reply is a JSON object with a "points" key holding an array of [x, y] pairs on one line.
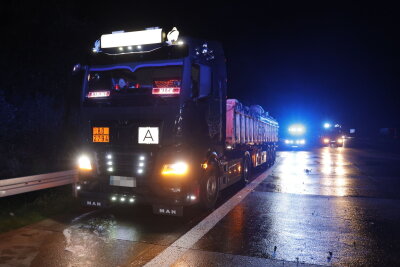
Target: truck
{"points": [[295, 137], [333, 136], [157, 127]]}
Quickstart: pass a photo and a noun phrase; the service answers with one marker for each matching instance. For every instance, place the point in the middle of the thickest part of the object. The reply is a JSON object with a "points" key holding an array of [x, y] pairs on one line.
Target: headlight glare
{"points": [[177, 168], [84, 163]]}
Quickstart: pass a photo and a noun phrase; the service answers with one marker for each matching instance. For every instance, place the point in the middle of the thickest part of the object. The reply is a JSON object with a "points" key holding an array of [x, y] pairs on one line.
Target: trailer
{"points": [[158, 128], [251, 130]]}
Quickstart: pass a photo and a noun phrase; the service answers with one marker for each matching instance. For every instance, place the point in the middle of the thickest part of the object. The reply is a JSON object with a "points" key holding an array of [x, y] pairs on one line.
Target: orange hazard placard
{"points": [[101, 134]]}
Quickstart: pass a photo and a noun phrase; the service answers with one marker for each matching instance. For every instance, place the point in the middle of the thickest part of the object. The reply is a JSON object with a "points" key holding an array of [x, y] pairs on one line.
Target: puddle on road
{"points": [[101, 227], [82, 239]]}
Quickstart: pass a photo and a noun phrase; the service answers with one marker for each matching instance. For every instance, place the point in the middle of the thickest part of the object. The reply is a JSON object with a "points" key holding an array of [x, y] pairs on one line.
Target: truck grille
{"points": [[123, 164]]}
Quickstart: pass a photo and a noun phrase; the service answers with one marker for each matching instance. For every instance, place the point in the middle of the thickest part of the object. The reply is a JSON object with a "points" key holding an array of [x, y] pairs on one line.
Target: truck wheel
{"points": [[210, 188], [269, 158], [246, 170], [273, 156]]}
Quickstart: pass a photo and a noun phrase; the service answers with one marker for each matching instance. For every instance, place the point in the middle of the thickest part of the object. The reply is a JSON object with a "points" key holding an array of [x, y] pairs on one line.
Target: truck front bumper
{"points": [[167, 200]]}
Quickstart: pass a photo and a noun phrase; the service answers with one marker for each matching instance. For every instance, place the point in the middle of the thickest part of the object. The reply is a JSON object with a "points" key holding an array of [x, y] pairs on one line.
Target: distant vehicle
{"points": [[157, 127], [333, 136], [295, 137]]}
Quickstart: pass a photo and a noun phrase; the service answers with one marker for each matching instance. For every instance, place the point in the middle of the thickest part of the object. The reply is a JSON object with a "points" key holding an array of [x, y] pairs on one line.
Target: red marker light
{"points": [[95, 94], [167, 87], [166, 91]]}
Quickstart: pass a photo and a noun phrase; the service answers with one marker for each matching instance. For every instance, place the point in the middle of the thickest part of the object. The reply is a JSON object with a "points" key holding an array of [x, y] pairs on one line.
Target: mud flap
{"points": [[168, 210]]}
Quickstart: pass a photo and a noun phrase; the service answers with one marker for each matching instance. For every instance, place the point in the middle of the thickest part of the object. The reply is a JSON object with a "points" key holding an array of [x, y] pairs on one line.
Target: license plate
{"points": [[101, 134], [123, 181], [148, 135], [168, 210]]}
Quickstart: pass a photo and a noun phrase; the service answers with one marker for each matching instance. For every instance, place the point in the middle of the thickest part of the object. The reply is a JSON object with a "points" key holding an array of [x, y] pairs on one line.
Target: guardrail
{"points": [[14, 186]]}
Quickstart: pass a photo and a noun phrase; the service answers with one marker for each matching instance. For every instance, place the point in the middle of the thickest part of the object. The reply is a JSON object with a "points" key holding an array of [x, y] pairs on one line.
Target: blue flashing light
{"points": [[297, 129], [327, 125]]}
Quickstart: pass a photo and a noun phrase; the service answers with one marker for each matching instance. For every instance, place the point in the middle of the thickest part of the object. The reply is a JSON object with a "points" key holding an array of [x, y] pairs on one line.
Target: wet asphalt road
{"points": [[329, 206]]}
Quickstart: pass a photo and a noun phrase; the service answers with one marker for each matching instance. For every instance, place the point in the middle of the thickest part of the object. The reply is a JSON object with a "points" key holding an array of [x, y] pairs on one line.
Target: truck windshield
{"points": [[142, 86]]}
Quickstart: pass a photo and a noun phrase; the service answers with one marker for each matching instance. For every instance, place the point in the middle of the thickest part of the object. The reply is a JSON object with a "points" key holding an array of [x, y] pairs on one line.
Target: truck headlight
{"points": [[84, 163], [177, 168], [340, 140], [326, 140]]}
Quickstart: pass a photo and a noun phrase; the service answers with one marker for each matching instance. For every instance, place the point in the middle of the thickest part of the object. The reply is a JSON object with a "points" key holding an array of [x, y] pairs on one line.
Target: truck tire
{"points": [[269, 157], [273, 156], [246, 170], [209, 188]]}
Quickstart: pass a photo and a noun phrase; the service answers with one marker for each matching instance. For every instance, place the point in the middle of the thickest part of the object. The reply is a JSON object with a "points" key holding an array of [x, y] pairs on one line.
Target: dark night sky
{"points": [[301, 61]]}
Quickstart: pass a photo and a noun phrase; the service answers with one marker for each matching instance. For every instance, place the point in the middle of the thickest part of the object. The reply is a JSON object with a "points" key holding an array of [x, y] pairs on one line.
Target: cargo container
{"points": [[249, 126]]}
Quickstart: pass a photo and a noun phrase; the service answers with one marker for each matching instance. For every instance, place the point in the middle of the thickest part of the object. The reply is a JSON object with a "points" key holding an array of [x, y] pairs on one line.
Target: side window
{"points": [[195, 80], [205, 81]]}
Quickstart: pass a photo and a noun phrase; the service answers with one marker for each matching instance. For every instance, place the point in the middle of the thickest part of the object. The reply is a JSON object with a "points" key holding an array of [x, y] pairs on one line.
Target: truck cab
{"points": [[333, 136], [295, 136]]}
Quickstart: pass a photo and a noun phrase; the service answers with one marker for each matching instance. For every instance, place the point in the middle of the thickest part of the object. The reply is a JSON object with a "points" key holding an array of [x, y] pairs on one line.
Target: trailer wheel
{"points": [[210, 188]]}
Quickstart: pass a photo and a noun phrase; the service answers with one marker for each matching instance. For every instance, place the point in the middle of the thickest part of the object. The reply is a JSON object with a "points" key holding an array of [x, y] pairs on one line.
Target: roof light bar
{"points": [[120, 39]]}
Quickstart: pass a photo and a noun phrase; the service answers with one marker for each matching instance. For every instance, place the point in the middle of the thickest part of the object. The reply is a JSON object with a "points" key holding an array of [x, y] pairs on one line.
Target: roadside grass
{"points": [[20, 210]]}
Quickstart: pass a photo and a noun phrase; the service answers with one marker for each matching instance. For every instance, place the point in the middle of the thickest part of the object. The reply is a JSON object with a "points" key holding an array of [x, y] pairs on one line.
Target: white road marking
{"points": [[185, 242]]}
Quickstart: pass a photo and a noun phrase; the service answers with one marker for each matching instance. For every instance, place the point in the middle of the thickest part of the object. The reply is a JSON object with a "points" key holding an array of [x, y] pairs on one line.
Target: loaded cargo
{"points": [[249, 125]]}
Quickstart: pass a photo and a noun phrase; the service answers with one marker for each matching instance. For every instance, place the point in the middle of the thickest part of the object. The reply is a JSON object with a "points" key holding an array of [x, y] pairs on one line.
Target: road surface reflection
{"points": [[327, 172]]}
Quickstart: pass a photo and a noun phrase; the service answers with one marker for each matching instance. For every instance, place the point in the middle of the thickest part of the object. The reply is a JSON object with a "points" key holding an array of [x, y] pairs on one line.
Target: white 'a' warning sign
{"points": [[148, 135]]}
